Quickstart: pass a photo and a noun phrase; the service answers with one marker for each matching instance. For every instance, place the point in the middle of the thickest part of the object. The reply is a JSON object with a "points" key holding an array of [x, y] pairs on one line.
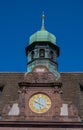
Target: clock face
{"points": [[39, 103]]}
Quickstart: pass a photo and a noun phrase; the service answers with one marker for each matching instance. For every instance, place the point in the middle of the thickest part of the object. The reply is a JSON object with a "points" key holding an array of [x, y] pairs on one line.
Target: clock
{"points": [[39, 103]]}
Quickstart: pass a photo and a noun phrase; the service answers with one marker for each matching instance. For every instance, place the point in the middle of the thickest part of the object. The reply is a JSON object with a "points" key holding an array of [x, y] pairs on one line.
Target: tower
{"points": [[42, 50], [40, 91], [33, 100]]}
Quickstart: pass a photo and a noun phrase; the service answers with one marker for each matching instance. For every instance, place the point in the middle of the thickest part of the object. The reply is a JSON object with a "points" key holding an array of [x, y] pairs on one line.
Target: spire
{"points": [[43, 17]]}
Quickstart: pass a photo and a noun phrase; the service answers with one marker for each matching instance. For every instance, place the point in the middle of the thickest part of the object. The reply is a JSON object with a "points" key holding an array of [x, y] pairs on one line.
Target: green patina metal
{"points": [[42, 35], [42, 50]]}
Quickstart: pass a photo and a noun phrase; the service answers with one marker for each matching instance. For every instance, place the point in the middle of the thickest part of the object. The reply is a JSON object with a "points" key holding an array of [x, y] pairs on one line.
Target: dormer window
{"points": [[42, 53], [81, 87], [1, 88]]}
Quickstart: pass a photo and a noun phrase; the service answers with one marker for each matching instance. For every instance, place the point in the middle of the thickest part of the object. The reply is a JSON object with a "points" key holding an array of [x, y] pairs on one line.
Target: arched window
{"points": [[51, 54], [41, 53], [32, 55]]}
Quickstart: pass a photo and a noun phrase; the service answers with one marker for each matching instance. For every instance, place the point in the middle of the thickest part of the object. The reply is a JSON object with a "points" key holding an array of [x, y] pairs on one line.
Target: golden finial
{"points": [[43, 17]]}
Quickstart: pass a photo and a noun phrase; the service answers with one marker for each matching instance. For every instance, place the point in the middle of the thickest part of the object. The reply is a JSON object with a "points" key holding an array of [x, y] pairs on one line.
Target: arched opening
{"points": [[51, 54], [32, 55], [42, 53]]}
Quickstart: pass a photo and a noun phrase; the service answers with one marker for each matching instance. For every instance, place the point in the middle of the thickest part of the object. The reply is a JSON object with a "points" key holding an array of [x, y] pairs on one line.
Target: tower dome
{"points": [[42, 50], [42, 35]]}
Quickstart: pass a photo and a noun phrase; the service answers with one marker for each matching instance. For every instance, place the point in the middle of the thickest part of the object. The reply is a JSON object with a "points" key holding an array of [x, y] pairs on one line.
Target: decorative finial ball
{"points": [[43, 16]]}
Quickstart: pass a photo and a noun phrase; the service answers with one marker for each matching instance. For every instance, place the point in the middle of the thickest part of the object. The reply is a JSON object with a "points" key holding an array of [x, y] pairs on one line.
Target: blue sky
{"points": [[21, 18]]}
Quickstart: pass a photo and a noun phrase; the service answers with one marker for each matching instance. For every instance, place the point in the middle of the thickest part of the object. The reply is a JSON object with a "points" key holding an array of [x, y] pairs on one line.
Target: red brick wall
{"points": [[70, 87]]}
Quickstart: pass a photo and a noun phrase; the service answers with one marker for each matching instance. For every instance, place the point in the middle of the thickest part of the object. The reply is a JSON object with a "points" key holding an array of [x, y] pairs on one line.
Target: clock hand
{"points": [[39, 101], [36, 101], [38, 104]]}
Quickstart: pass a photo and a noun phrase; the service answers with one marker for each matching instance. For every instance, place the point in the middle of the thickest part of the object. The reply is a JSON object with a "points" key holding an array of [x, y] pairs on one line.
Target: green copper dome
{"points": [[42, 35]]}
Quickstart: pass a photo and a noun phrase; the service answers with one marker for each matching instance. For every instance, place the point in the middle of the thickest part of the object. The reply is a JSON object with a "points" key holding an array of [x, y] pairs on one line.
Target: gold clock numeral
{"points": [[48, 103]]}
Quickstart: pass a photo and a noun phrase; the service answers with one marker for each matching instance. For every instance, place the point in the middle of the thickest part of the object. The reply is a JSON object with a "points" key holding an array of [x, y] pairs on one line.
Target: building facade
{"points": [[41, 98]]}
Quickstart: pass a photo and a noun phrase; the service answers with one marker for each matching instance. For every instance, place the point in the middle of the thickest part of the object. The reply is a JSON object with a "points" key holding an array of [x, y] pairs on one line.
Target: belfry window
{"points": [[51, 54], [41, 53], [32, 55]]}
